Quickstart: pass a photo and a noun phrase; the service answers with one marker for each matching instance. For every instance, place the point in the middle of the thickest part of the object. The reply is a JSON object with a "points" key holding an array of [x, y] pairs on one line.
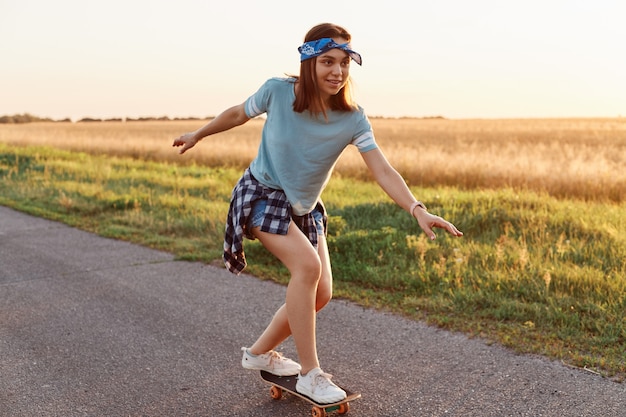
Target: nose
{"points": [[337, 69]]}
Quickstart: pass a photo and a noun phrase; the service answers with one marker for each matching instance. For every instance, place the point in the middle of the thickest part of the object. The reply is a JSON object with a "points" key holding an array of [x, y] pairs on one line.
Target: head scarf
{"points": [[318, 47]]}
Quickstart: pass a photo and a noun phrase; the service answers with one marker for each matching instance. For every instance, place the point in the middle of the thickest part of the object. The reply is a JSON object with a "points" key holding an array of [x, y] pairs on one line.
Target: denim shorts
{"points": [[258, 211]]}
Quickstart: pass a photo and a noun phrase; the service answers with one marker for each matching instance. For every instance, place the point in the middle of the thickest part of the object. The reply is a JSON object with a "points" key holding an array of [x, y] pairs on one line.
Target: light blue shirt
{"points": [[298, 151]]}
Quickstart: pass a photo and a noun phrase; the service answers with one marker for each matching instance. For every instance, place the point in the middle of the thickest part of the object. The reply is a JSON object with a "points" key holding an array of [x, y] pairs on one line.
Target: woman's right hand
{"points": [[187, 141]]}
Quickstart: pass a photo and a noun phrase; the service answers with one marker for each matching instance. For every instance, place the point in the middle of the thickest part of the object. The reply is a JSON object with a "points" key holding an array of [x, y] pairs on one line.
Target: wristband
{"points": [[416, 204]]}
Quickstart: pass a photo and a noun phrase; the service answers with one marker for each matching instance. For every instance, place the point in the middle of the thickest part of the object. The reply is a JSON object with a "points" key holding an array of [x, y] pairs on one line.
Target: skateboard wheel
{"points": [[343, 408], [276, 393], [318, 412]]}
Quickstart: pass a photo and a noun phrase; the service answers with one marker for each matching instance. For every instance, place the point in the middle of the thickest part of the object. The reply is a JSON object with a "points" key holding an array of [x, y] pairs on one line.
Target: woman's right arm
{"points": [[229, 118]]}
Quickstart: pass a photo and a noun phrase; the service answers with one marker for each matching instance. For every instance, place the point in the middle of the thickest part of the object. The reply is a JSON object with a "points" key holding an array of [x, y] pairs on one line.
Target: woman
{"points": [[311, 118]]}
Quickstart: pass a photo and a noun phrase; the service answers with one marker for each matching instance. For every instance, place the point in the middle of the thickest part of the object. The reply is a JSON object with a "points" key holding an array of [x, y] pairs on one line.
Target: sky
{"points": [[457, 59]]}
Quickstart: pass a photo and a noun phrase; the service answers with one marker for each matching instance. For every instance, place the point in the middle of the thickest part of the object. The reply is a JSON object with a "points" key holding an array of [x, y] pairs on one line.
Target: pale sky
{"points": [[453, 58]]}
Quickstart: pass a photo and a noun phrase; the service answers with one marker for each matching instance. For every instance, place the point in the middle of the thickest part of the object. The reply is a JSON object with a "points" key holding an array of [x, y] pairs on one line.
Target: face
{"points": [[332, 70]]}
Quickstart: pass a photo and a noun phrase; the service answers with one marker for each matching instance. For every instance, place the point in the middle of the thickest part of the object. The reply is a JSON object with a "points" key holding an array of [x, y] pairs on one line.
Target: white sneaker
{"points": [[272, 362], [318, 386]]}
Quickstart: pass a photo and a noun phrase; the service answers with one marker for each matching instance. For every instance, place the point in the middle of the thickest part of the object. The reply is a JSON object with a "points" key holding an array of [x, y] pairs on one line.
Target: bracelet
{"points": [[416, 204]]}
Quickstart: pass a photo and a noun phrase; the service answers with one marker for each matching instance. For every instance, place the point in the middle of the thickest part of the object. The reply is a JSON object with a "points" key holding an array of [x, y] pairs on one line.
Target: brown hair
{"points": [[308, 97]]}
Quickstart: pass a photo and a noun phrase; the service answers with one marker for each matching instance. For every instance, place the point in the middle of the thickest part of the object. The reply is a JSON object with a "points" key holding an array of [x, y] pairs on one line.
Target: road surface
{"points": [[97, 327]]}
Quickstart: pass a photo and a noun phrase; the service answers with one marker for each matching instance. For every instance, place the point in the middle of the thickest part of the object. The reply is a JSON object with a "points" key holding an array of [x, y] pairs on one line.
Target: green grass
{"points": [[534, 273]]}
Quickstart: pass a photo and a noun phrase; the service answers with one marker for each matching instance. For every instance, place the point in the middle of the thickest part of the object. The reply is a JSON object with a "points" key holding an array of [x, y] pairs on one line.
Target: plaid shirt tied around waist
{"points": [[278, 215]]}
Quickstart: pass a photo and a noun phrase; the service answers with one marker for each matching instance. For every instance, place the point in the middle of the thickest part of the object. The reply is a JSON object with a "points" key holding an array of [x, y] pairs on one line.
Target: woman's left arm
{"points": [[394, 185]]}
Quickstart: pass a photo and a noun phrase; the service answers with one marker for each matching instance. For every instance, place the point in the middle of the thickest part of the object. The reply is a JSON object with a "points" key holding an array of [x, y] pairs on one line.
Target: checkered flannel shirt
{"points": [[278, 215]]}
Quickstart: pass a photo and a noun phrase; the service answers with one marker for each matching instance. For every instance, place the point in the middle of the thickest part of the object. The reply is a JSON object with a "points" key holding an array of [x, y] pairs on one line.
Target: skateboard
{"points": [[288, 383]]}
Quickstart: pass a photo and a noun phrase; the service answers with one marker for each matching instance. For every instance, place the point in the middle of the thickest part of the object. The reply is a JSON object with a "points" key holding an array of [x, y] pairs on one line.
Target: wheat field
{"points": [[567, 158]]}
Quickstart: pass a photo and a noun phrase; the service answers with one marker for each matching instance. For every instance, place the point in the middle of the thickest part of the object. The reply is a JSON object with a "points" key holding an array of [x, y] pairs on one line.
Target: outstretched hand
{"points": [[187, 141], [428, 221]]}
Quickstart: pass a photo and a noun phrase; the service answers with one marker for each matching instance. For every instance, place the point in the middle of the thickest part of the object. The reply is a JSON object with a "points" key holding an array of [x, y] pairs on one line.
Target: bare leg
{"points": [[309, 290]]}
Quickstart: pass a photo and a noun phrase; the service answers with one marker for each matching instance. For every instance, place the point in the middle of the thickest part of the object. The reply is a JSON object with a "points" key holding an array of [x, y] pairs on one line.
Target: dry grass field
{"points": [[567, 158]]}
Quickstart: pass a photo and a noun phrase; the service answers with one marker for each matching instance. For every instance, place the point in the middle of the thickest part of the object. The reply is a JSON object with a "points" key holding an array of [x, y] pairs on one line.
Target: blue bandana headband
{"points": [[316, 48]]}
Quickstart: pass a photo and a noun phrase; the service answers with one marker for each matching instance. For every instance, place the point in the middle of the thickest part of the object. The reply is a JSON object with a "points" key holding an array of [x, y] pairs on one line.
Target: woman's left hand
{"points": [[428, 221]]}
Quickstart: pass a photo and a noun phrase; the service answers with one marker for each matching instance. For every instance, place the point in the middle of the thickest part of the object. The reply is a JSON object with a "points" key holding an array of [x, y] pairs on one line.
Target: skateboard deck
{"points": [[288, 384]]}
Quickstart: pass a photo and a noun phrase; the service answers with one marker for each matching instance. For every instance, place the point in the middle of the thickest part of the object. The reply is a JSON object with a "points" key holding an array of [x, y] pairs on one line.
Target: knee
{"points": [[324, 291], [323, 298], [309, 270]]}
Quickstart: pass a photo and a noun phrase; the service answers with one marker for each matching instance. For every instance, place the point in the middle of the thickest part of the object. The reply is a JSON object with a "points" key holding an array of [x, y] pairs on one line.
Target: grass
{"points": [[565, 158], [534, 272]]}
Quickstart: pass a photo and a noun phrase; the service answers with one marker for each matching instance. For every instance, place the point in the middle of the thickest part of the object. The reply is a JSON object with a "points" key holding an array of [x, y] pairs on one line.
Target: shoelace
{"points": [[322, 380], [275, 358]]}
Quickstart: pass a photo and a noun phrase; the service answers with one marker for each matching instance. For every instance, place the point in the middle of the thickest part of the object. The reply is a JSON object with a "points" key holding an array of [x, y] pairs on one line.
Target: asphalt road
{"points": [[98, 327]]}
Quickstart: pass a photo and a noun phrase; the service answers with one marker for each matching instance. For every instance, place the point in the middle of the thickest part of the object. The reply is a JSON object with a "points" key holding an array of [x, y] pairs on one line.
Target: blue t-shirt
{"points": [[298, 151]]}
